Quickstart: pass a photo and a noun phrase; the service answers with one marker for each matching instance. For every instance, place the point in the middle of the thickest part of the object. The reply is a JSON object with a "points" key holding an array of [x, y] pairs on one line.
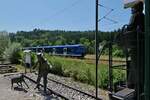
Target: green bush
{"points": [[13, 53], [117, 52], [103, 77], [56, 68], [75, 75], [33, 58], [4, 42], [89, 76]]}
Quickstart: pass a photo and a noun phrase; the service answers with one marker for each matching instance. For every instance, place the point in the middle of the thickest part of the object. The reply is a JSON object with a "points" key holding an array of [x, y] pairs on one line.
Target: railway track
{"points": [[32, 94], [64, 91], [115, 60], [56, 94], [7, 68]]}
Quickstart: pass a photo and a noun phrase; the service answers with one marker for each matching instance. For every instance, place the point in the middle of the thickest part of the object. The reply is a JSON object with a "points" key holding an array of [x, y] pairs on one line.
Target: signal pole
{"points": [[147, 50], [96, 48]]}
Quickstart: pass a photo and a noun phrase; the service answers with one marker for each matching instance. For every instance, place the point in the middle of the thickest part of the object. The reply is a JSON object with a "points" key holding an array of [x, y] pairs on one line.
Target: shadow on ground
{"points": [[20, 89]]}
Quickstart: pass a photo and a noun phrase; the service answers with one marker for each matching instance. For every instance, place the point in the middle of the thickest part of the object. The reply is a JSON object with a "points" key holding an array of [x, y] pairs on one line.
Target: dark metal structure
{"points": [[147, 50], [132, 43], [119, 90], [140, 83], [136, 93]]}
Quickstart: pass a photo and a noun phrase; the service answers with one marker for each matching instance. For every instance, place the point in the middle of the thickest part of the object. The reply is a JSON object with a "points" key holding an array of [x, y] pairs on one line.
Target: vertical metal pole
{"points": [[128, 65], [138, 67], [96, 48], [110, 65], [147, 50]]}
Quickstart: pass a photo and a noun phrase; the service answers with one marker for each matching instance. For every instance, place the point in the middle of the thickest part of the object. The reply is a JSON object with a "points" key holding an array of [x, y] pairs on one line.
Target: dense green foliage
{"points": [[39, 37], [9, 51], [12, 53]]}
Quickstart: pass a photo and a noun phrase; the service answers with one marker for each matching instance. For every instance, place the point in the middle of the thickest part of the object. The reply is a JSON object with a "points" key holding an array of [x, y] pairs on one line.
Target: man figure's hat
{"points": [[131, 3], [39, 54]]}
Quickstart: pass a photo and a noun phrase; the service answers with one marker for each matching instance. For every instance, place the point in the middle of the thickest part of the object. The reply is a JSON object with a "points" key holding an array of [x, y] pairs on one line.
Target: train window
{"points": [[69, 50], [65, 51]]}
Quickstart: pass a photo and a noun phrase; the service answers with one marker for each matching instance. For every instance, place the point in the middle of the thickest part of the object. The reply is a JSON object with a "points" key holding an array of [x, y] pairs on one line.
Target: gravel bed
{"points": [[73, 95], [83, 87]]}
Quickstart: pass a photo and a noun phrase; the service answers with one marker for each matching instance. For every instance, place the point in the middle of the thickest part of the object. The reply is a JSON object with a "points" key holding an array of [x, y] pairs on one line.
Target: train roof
{"points": [[62, 46], [57, 46]]}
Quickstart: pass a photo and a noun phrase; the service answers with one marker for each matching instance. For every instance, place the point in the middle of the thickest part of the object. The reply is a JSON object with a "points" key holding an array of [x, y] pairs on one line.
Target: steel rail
{"points": [[47, 88], [74, 89], [92, 96]]}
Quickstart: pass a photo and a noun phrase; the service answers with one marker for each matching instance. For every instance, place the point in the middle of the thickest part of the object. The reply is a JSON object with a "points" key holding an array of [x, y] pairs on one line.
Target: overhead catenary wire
{"points": [[65, 9], [105, 15], [60, 11], [104, 6], [111, 20]]}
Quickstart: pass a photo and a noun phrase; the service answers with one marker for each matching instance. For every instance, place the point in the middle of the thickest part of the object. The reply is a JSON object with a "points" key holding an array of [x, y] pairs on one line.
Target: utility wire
{"points": [[105, 15], [61, 11], [104, 6], [78, 1], [66, 8], [111, 20], [74, 4]]}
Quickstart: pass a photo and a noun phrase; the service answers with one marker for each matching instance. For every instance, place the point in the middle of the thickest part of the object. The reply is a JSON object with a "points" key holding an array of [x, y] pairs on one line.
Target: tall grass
{"points": [[81, 71]]}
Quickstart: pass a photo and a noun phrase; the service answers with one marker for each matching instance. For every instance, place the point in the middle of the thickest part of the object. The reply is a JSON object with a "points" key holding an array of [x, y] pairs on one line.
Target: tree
{"points": [[39, 37], [4, 42], [12, 53]]}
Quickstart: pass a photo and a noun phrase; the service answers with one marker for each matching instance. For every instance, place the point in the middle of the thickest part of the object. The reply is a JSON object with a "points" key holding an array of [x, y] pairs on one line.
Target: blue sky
{"points": [[26, 15]]}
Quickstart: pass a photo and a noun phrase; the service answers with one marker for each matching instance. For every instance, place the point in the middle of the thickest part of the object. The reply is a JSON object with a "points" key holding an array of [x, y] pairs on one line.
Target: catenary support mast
{"points": [[96, 47]]}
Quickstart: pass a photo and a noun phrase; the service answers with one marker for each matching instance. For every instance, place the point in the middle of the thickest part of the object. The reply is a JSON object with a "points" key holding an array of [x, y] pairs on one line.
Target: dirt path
{"points": [[6, 93]]}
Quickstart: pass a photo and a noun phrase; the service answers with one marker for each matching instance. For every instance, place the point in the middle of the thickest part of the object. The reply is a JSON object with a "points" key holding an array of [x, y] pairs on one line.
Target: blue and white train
{"points": [[77, 50]]}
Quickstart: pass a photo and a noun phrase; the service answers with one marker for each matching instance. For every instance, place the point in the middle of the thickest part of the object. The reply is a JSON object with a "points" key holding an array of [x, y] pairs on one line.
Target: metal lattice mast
{"points": [[147, 50]]}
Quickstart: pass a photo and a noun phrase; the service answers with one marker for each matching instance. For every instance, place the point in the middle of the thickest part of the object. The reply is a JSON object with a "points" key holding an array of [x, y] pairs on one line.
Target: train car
{"points": [[77, 50]]}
